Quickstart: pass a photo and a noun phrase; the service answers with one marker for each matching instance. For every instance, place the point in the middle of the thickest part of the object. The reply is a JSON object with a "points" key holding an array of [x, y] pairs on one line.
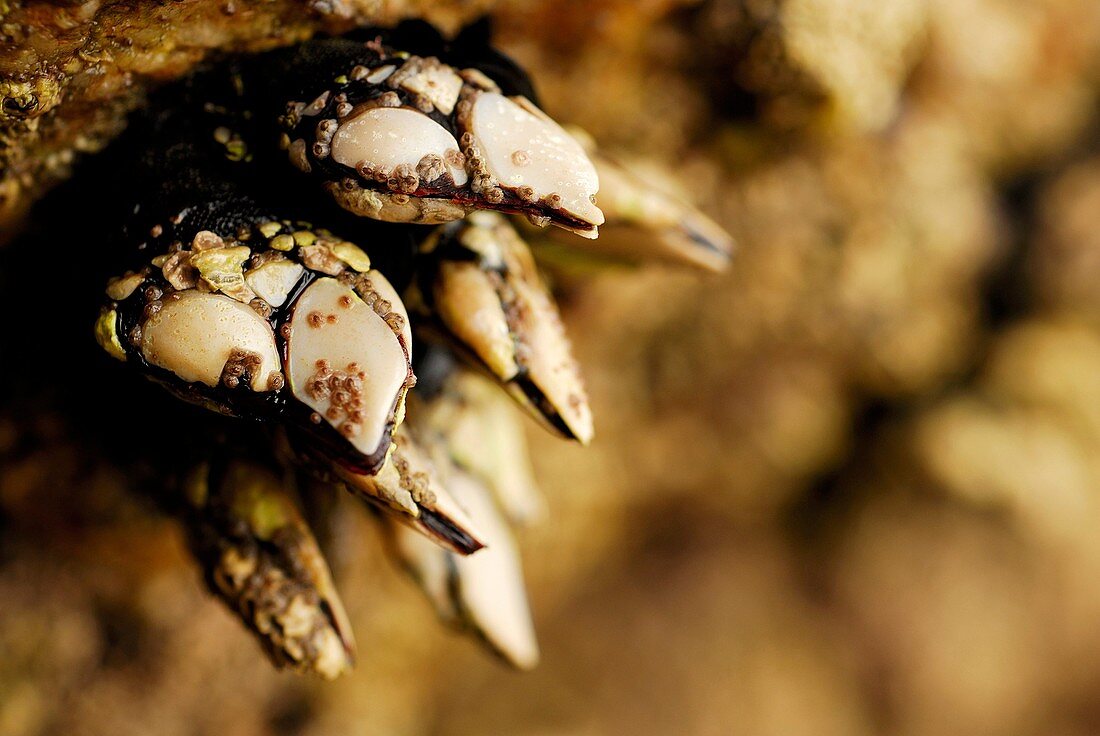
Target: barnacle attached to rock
{"points": [[271, 318], [486, 292], [404, 138], [325, 352]]}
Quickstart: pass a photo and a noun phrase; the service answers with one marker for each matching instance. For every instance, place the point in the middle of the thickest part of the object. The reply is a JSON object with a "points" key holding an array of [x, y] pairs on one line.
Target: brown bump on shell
{"points": [[395, 321], [261, 307], [406, 178], [179, 272], [206, 240], [240, 363], [455, 158], [430, 167], [321, 258]]}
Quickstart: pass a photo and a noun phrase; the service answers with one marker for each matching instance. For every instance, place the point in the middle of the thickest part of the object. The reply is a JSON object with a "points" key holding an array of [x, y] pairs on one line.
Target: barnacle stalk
{"points": [[260, 557]]}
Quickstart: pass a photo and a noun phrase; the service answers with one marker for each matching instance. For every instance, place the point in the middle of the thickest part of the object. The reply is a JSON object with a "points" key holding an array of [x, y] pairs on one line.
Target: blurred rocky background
{"points": [[849, 488]]}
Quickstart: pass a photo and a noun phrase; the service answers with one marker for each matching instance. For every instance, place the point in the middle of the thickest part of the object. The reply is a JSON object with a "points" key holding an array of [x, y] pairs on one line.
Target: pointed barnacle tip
{"points": [[720, 262], [711, 245], [579, 424], [590, 234], [590, 213], [526, 661]]}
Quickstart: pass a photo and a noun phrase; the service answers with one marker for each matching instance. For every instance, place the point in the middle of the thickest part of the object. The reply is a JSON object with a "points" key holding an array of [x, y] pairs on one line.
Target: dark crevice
{"points": [[829, 496], [1006, 295]]}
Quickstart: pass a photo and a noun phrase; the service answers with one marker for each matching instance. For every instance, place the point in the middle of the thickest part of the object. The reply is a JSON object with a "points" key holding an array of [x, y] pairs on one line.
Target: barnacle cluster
{"points": [[463, 145], [846, 488], [280, 321]]}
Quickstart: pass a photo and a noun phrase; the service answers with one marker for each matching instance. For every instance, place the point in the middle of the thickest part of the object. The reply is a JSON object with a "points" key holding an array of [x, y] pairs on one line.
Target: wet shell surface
{"points": [[426, 142], [524, 148], [483, 591], [273, 281], [381, 139], [195, 334], [436, 82], [409, 484], [469, 305], [489, 584], [345, 363], [551, 368], [497, 307]]}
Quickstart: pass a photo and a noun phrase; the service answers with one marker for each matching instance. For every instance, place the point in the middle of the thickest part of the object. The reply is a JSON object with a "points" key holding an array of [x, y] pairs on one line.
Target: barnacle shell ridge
{"points": [[522, 147], [384, 289], [345, 363]]}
